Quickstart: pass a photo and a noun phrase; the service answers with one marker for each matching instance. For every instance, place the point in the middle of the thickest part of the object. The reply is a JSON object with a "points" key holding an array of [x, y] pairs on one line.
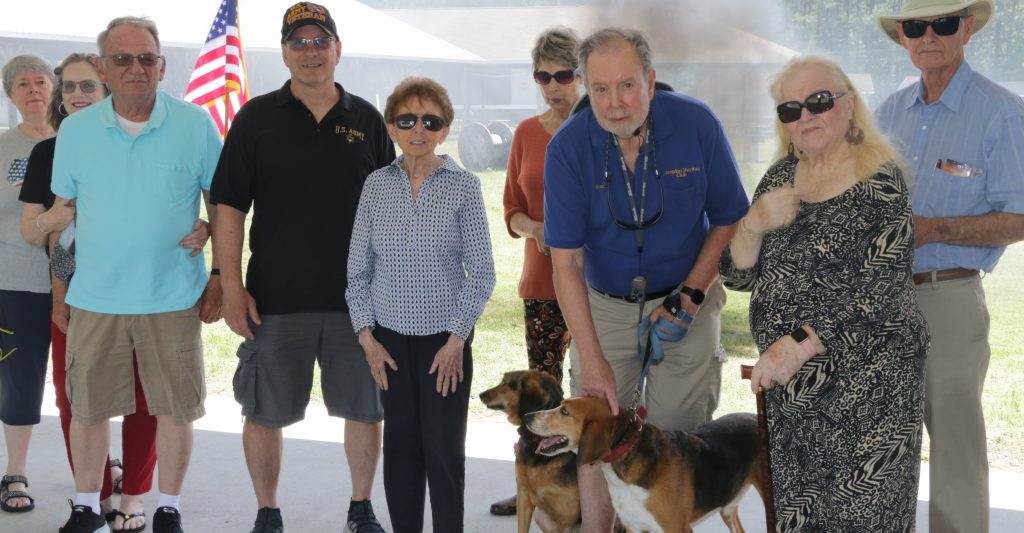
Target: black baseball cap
{"points": [[305, 13]]}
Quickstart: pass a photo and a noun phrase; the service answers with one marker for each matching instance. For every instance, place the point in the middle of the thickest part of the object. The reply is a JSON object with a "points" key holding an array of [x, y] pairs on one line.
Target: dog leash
{"points": [[653, 352]]}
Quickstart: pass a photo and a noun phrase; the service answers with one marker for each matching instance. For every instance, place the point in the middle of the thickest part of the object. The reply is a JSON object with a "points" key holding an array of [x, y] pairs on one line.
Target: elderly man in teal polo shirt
{"points": [[963, 137], [135, 164]]}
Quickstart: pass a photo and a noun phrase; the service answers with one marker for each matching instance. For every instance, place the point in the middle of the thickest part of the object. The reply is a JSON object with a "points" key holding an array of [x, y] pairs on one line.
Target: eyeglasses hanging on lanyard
{"points": [[638, 212]]}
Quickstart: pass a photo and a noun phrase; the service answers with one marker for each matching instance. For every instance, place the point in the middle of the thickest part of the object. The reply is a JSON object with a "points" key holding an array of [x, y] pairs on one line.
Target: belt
{"points": [[650, 296], [944, 275]]}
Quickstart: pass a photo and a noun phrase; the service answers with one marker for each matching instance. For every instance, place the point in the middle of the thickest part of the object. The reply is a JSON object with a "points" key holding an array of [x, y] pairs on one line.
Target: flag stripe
{"points": [[218, 82]]}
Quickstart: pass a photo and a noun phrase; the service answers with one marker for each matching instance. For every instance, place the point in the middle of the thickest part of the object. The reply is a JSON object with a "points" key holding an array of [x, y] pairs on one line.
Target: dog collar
{"points": [[624, 444]]}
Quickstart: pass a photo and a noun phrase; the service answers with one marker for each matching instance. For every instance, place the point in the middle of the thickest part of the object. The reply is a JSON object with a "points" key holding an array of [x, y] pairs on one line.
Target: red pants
{"points": [[138, 431]]}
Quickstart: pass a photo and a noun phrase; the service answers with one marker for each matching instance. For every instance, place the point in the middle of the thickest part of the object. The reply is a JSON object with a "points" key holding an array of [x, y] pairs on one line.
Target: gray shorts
{"points": [[275, 370]]}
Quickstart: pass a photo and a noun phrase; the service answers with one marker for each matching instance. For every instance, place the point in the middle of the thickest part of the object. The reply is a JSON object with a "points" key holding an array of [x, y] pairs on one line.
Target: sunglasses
{"points": [[87, 86], [563, 77], [408, 122], [944, 26], [816, 103], [126, 60], [318, 43]]}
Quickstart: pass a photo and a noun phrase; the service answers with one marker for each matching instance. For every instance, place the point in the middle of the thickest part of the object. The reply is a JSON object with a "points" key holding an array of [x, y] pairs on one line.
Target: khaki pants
{"points": [[682, 391], [954, 377]]}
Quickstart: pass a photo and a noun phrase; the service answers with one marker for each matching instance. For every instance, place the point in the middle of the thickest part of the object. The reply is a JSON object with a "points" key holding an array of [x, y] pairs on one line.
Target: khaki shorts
{"points": [[683, 390], [169, 349]]}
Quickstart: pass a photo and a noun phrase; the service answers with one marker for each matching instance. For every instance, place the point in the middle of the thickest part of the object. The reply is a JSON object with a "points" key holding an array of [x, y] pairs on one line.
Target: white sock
{"points": [[168, 500], [90, 499]]}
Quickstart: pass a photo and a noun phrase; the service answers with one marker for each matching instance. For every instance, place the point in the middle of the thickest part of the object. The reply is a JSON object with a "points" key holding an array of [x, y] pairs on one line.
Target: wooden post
{"points": [[768, 496]]}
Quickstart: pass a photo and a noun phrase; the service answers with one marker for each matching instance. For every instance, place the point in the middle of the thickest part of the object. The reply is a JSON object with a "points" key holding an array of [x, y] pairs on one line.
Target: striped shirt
{"points": [[422, 266], [966, 153]]}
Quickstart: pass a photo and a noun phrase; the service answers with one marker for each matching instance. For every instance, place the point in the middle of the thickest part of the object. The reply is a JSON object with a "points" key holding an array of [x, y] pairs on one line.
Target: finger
{"points": [[613, 401], [254, 315]]}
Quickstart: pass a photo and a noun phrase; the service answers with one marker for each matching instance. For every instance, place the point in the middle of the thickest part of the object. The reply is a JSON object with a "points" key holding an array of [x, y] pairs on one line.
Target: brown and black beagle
{"points": [[659, 481], [546, 484]]}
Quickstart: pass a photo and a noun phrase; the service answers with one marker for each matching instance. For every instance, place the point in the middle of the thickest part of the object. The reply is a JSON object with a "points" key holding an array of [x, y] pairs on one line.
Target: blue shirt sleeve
{"points": [[63, 183], [566, 202], [727, 201], [1004, 152]]}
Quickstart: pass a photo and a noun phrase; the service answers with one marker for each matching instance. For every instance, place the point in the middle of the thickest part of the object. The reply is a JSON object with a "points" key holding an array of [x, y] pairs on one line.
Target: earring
{"points": [[61, 110], [854, 135], [791, 152]]}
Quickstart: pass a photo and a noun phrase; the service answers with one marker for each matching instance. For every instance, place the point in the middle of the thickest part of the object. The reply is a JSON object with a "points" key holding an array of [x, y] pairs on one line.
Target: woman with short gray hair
{"points": [[24, 280]]}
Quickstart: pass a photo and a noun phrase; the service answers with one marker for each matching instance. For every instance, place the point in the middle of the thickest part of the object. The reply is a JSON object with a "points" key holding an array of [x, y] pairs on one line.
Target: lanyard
{"points": [[650, 156]]}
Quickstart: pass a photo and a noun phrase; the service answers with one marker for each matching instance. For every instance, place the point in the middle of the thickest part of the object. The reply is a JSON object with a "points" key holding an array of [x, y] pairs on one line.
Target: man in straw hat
{"points": [[963, 137]]}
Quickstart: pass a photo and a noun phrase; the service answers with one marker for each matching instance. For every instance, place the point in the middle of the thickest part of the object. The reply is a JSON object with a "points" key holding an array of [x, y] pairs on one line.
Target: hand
{"points": [[197, 239], [61, 311], [538, 238], [210, 301], [774, 209], [376, 356], [59, 216], [448, 365], [778, 364], [661, 313], [237, 306], [598, 380]]}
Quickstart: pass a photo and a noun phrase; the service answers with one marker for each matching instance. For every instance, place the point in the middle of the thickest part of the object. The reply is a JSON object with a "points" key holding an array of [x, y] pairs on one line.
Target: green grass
{"points": [[500, 345]]}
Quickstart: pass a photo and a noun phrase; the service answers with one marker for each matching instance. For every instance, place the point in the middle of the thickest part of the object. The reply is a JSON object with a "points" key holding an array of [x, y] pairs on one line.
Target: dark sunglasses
{"points": [[319, 43], [944, 26], [87, 86], [430, 122], [563, 77], [816, 103], [125, 60]]}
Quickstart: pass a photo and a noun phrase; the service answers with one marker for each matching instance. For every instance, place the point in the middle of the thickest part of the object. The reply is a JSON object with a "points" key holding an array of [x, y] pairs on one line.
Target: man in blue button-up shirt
{"points": [[963, 136]]}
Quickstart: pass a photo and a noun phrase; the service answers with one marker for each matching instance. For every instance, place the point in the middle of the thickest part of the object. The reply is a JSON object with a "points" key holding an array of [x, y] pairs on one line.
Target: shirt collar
{"points": [[156, 117], [953, 95], [447, 163]]}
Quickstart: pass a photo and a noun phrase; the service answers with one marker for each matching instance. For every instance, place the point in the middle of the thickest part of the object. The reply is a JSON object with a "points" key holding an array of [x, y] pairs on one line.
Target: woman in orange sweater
{"points": [[555, 58]]}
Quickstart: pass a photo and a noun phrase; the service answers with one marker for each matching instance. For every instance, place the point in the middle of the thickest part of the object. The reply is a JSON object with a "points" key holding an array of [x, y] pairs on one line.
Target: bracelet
{"points": [[214, 271], [751, 234], [40, 227]]}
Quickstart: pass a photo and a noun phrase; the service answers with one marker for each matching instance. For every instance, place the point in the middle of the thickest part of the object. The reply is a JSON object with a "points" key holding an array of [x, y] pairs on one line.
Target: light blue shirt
{"points": [[136, 199], [420, 267], [976, 132]]}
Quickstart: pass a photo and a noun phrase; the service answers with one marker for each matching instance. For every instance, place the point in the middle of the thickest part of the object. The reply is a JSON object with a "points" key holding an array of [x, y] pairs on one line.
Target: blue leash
{"points": [[661, 330]]}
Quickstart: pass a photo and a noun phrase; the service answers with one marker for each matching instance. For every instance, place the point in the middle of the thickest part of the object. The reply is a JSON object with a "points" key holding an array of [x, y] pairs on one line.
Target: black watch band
{"points": [[696, 295], [214, 271]]}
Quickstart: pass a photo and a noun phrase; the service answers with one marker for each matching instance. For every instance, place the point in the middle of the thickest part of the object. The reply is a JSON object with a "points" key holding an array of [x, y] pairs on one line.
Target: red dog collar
{"points": [[624, 444]]}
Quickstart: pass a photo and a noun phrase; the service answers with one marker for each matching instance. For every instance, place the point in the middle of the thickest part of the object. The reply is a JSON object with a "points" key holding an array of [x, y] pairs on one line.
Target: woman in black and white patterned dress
{"points": [[827, 249]]}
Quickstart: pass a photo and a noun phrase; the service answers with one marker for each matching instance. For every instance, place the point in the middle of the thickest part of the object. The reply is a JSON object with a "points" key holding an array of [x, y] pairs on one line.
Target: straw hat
{"points": [[916, 9]]}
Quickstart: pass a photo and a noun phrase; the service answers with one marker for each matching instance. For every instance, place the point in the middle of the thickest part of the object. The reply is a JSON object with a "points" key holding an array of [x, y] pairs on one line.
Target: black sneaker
{"points": [[83, 520], [167, 520], [361, 518], [268, 521]]}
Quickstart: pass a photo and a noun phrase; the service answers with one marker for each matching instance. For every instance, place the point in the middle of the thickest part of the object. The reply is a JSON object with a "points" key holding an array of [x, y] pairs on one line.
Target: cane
{"points": [[768, 496]]}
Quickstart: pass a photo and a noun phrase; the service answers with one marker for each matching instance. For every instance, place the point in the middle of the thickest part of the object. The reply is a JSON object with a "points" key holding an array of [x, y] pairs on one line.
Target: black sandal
{"points": [[6, 494], [124, 520], [116, 463], [506, 507]]}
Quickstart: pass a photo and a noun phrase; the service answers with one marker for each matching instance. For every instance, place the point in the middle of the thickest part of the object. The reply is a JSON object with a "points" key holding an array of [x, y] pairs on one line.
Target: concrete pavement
{"points": [[314, 489]]}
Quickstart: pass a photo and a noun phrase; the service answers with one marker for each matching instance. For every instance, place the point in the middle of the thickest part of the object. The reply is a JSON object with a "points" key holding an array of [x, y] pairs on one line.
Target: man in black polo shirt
{"points": [[299, 156]]}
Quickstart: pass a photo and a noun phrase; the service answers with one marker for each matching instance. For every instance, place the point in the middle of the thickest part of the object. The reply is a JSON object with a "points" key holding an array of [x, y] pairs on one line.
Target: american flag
{"points": [[218, 80]]}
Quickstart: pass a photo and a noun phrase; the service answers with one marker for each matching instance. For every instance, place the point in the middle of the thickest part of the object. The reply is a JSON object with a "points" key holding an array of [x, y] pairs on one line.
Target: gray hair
{"points": [[21, 64], [557, 45], [140, 22], [602, 38]]}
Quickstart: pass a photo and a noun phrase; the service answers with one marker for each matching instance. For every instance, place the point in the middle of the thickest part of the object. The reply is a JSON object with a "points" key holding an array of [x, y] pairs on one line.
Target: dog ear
{"points": [[595, 442]]}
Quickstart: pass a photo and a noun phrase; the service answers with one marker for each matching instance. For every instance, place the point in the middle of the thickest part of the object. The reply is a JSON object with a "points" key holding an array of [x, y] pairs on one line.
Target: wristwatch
{"points": [[803, 339], [696, 295]]}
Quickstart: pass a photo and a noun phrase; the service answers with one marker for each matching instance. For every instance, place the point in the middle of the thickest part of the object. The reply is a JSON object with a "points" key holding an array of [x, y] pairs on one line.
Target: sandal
{"points": [[6, 494], [116, 463], [506, 507], [124, 520]]}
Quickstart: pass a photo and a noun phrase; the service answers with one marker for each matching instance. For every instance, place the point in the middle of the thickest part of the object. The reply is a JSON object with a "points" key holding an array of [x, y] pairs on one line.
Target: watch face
{"points": [[696, 295], [799, 334]]}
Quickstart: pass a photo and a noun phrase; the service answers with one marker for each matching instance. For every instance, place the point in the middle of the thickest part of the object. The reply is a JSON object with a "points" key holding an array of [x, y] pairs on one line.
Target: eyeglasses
{"points": [[816, 103], [944, 26], [318, 43], [87, 86], [408, 121], [563, 77], [126, 60]]}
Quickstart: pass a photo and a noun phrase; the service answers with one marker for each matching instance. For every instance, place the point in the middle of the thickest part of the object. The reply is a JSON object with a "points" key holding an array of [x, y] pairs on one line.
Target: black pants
{"points": [[24, 351], [424, 434]]}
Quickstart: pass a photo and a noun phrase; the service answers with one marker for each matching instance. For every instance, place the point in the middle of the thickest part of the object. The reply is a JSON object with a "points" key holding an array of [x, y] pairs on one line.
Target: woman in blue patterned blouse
{"points": [[419, 273]]}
